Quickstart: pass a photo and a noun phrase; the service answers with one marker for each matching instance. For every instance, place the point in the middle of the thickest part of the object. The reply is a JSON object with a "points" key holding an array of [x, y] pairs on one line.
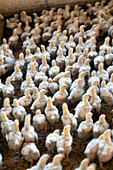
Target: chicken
{"points": [[18, 111], [79, 34], [54, 70], [65, 141], [39, 121], [16, 75], [105, 148], [93, 78], [28, 83], [83, 165], [32, 46], [40, 102], [55, 164], [70, 43], [105, 46], [101, 73], [95, 85], [10, 25], [99, 59], [95, 100], [41, 163], [68, 118], [100, 126], [15, 138], [6, 124], [105, 94], [21, 61], [85, 67], [76, 66], [24, 17], [53, 87], [44, 64], [45, 53], [52, 49], [7, 108], [30, 152], [51, 112], [35, 93], [44, 85], [92, 148], [83, 108], [65, 80], [28, 132], [51, 140], [61, 75], [13, 40], [77, 92], [38, 55], [109, 85], [8, 90], [60, 96], [40, 75], [28, 56], [33, 60], [93, 53], [108, 57], [25, 100], [70, 59], [85, 127]]}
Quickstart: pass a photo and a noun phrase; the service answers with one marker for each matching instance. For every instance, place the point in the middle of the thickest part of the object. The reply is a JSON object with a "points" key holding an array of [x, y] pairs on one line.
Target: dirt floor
{"points": [[12, 161]]}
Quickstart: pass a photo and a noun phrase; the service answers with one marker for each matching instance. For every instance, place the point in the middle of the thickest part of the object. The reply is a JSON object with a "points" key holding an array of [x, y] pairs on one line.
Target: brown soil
{"points": [[12, 161]]}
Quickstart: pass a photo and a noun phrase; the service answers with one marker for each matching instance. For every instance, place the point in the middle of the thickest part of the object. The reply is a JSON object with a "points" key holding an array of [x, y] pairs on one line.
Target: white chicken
{"points": [[95, 100], [51, 112], [7, 108], [105, 94], [83, 165], [41, 163], [105, 148], [65, 80], [8, 90], [70, 59], [44, 85], [100, 126], [25, 100], [85, 127], [60, 96], [15, 138], [28, 132], [101, 73], [83, 108], [77, 92], [35, 93], [39, 76], [54, 70], [30, 152], [18, 111], [75, 82], [51, 140], [40, 102], [68, 118], [6, 124], [39, 121], [28, 83], [17, 74], [53, 87], [64, 142], [55, 164]]}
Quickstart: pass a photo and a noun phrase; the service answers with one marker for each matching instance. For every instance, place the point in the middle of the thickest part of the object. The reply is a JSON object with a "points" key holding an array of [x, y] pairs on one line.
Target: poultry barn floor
{"points": [[13, 161]]}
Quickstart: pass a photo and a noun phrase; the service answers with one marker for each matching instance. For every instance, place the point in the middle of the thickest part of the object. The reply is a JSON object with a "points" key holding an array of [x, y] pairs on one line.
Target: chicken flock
{"points": [[61, 67]]}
